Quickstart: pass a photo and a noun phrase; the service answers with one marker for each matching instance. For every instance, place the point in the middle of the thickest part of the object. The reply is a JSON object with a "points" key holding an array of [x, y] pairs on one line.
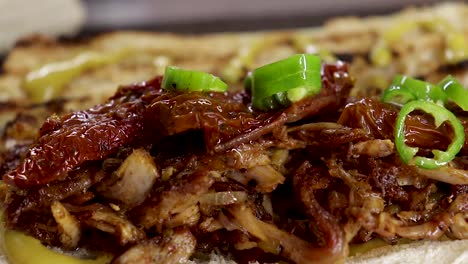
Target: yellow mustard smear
{"points": [[48, 81], [23, 249]]}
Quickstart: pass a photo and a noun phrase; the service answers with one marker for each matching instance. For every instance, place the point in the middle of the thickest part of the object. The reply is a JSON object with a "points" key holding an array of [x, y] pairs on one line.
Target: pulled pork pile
{"points": [[171, 176]]}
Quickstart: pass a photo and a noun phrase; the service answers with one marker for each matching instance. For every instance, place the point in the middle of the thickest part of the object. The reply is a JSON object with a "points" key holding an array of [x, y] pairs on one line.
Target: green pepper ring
{"points": [[440, 115], [404, 89], [397, 95], [285, 81], [189, 80], [455, 91]]}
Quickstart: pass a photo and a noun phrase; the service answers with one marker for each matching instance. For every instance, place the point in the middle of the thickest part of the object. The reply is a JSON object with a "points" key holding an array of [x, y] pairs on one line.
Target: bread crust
{"points": [[213, 52]]}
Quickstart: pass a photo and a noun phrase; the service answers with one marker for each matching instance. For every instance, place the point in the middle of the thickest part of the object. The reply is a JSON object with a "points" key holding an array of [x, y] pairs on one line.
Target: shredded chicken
{"points": [[132, 181], [223, 198], [179, 198], [374, 148], [267, 178], [174, 248], [284, 243], [108, 221], [68, 226], [446, 174]]}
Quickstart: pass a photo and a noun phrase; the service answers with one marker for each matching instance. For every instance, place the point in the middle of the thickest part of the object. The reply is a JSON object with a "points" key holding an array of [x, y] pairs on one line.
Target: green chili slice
{"points": [[397, 94], [187, 80], [286, 81], [404, 89], [455, 91], [248, 82], [441, 115]]}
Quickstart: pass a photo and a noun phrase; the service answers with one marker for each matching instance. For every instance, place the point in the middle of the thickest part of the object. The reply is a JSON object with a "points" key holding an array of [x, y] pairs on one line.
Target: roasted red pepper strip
{"points": [[66, 143]]}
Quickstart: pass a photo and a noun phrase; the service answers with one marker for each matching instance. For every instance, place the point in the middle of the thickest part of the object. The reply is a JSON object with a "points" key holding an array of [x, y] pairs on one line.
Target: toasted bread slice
{"points": [[420, 51]]}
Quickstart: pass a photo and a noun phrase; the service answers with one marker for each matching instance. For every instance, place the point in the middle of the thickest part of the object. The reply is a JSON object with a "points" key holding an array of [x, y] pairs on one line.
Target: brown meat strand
{"points": [[307, 107], [385, 178], [328, 137], [305, 184]]}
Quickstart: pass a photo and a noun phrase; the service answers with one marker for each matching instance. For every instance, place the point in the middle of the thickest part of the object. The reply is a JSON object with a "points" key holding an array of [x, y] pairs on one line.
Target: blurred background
{"points": [[228, 15], [86, 17]]}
